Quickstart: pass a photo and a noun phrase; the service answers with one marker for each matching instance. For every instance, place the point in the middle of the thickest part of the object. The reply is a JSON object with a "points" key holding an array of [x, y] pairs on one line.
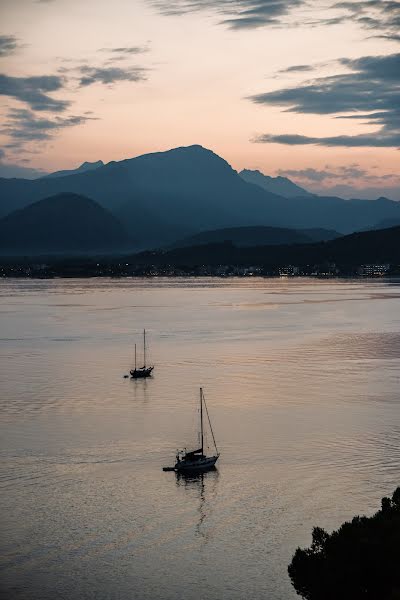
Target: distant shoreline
{"points": [[321, 277]]}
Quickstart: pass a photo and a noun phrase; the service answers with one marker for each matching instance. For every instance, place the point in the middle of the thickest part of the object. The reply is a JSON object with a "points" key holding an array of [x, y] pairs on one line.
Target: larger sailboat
{"points": [[197, 460], [145, 371]]}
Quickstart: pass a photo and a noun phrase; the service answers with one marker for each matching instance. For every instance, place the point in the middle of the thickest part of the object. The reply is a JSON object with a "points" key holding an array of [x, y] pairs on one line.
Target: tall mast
{"points": [[209, 422], [135, 357], [201, 419], [144, 346]]}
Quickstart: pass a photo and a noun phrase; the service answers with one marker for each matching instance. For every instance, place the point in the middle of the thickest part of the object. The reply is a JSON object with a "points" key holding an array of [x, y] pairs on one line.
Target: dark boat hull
{"points": [[141, 373], [203, 464]]}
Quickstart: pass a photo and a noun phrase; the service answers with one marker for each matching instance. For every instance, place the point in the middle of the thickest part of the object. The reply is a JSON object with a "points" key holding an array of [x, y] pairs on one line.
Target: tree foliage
{"points": [[361, 560]]}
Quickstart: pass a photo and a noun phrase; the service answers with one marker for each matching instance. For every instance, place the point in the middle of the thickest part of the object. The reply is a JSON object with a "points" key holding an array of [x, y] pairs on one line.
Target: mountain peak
{"points": [[277, 185], [86, 166], [83, 168]]}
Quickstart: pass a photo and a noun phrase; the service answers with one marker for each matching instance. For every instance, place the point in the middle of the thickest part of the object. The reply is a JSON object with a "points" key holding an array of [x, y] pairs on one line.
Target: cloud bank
{"points": [[370, 93], [381, 17], [346, 181]]}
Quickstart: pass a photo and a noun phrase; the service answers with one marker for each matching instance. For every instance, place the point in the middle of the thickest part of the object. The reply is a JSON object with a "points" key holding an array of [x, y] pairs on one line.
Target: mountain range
{"points": [[162, 197]]}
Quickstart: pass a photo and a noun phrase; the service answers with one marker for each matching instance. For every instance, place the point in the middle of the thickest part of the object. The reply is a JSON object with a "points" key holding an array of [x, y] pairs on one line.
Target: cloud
{"points": [[349, 141], [23, 125], [129, 50], [297, 69], [346, 181], [10, 170], [345, 173], [369, 93], [34, 91], [237, 14], [381, 17], [110, 75], [8, 45]]}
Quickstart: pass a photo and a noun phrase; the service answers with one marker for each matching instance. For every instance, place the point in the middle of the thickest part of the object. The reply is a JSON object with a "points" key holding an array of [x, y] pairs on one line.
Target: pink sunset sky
{"points": [[306, 89]]}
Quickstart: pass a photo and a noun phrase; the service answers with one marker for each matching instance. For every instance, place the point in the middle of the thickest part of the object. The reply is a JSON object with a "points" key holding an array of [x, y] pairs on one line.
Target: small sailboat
{"points": [[196, 460], [145, 371]]}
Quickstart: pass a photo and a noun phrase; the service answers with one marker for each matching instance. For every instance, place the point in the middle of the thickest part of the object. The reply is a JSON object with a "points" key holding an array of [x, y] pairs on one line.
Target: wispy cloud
{"points": [[382, 17], [236, 14], [369, 93], [127, 50], [44, 115], [298, 69], [34, 91], [9, 44], [10, 170], [110, 75], [23, 125], [346, 181], [345, 173]]}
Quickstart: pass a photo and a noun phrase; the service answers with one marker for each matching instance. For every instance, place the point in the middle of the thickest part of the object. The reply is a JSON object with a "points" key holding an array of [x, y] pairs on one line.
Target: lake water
{"points": [[301, 379]]}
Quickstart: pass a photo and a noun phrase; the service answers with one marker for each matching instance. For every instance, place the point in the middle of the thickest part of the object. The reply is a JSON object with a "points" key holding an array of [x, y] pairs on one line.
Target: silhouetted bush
{"points": [[361, 560]]}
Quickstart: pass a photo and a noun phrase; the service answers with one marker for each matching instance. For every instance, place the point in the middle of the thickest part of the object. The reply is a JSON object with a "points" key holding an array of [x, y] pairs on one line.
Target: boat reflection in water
{"points": [[202, 486]]}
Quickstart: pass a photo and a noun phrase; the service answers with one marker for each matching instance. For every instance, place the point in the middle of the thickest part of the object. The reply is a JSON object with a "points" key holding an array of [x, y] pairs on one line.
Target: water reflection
{"points": [[140, 389], [203, 488]]}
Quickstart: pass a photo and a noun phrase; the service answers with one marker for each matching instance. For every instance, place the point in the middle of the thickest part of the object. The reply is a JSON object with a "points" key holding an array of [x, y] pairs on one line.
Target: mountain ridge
{"points": [[180, 192], [85, 166]]}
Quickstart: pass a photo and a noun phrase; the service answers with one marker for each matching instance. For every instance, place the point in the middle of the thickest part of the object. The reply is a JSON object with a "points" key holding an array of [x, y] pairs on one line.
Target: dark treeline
{"points": [[355, 249], [359, 561], [342, 256]]}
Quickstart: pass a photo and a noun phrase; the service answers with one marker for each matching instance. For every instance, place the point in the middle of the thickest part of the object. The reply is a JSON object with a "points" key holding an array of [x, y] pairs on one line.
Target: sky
{"points": [[308, 89]]}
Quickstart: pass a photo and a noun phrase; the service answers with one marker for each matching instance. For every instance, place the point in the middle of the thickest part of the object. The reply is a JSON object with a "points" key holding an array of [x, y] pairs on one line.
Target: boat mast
{"points": [[201, 419], [209, 422], [135, 357], [144, 347]]}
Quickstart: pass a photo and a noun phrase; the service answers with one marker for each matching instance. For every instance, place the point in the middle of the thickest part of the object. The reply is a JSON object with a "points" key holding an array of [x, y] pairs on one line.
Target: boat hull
{"points": [[141, 373], [186, 466]]}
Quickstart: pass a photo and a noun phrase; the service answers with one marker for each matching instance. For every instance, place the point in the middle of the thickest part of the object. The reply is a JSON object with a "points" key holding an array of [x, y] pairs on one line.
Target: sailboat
{"points": [[196, 460], [144, 371]]}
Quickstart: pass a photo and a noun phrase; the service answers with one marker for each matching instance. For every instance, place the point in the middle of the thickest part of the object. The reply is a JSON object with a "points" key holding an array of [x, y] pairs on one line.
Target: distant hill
{"points": [[277, 185], [67, 223], [321, 235], [358, 248], [386, 224], [256, 236], [164, 196], [86, 166]]}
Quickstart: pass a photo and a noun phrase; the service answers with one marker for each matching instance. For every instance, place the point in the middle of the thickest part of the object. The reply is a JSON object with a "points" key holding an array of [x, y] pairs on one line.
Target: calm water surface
{"points": [[302, 383]]}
